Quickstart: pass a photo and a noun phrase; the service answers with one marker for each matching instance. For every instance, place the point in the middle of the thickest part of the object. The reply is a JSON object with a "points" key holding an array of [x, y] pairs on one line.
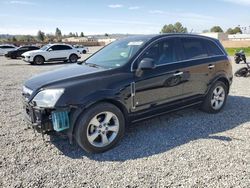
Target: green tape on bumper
{"points": [[60, 120]]}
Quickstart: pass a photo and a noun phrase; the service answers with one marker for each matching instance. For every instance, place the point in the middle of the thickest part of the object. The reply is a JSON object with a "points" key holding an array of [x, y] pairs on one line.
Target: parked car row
{"points": [[6, 48], [48, 53]]}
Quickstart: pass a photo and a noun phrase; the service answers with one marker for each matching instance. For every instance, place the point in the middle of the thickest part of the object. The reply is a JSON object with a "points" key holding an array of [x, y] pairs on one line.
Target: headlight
{"points": [[48, 98]]}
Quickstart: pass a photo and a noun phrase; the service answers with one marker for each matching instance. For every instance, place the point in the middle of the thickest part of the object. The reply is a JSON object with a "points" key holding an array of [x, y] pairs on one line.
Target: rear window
{"points": [[212, 48], [193, 48]]}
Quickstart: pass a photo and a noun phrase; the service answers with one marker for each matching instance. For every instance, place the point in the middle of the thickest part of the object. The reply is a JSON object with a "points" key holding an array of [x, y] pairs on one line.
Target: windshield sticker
{"points": [[135, 43]]}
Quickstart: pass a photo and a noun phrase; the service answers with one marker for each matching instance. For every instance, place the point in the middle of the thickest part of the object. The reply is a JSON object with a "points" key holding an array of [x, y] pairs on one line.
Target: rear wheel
{"points": [[100, 128], [241, 72], [38, 60], [73, 58], [215, 98], [84, 51]]}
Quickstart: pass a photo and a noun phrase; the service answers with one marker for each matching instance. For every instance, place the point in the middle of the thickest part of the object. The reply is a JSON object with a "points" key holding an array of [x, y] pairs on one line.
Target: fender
{"points": [[219, 76], [88, 101]]}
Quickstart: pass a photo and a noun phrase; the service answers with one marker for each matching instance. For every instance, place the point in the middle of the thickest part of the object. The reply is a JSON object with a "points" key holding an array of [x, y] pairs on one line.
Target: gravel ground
{"points": [[184, 149]]}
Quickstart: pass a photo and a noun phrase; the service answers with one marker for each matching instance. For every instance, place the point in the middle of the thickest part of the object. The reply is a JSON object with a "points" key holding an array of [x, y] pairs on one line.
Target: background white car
{"points": [[52, 52], [82, 49], [4, 49]]}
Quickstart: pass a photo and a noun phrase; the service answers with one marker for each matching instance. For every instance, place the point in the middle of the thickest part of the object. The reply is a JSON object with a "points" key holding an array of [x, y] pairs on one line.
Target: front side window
{"points": [[117, 53], [162, 52], [46, 47], [193, 48]]}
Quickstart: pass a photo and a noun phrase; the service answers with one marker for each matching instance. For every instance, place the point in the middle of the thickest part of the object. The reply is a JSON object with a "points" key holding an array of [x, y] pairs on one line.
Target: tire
{"points": [[38, 60], [241, 72], [73, 58], [216, 98], [84, 51], [13, 57], [100, 137]]}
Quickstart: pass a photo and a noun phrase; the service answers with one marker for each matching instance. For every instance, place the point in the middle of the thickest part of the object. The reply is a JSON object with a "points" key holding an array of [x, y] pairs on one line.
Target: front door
{"points": [[163, 84]]}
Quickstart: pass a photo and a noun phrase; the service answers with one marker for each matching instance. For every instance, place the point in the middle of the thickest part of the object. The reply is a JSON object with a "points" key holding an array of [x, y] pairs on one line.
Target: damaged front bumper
{"points": [[45, 120]]}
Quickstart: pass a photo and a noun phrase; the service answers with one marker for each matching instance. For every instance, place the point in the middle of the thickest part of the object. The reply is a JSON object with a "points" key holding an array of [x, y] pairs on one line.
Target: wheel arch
{"points": [[78, 112], [221, 78], [72, 54], [38, 55]]}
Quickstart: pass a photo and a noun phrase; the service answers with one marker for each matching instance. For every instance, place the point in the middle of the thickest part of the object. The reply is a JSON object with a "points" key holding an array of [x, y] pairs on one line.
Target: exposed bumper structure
{"points": [[46, 120]]}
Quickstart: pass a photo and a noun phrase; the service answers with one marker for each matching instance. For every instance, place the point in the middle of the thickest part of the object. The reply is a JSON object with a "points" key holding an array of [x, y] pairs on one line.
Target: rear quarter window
{"points": [[212, 48]]}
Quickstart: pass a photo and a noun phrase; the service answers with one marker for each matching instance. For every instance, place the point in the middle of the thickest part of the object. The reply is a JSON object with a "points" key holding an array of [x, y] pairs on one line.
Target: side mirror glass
{"points": [[146, 64], [50, 49]]}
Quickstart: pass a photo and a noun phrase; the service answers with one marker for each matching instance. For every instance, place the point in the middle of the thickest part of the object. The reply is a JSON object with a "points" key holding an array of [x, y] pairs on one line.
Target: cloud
{"points": [[240, 2], [134, 8], [156, 12], [115, 6], [21, 2], [183, 15]]}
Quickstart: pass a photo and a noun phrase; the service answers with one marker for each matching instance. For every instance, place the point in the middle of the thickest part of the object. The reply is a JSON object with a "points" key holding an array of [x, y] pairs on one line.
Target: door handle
{"points": [[178, 73], [211, 66]]}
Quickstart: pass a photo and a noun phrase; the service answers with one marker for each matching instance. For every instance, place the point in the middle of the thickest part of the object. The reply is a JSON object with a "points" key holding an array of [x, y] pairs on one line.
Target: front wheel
{"points": [[242, 72], [38, 60], [215, 98], [100, 128], [73, 58]]}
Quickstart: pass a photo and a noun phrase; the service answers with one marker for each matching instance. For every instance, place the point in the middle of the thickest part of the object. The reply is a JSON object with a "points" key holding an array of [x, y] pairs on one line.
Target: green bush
{"points": [[232, 51]]}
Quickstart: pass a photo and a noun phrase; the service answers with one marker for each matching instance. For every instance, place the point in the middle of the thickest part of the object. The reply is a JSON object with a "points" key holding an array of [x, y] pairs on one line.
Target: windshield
{"points": [[117, 53], [45, 47]]}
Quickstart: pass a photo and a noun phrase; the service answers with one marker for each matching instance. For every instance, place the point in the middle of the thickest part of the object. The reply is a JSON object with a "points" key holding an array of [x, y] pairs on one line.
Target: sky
{"points": [[119, 16]]}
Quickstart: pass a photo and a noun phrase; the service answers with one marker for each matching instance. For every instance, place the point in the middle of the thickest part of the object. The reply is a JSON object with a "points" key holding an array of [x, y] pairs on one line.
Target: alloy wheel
{"points": [[218, 98], [103, 129]]}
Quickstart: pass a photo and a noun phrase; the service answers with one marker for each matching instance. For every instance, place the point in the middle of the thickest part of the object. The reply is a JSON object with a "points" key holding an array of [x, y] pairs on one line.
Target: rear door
{"points": [[199, 65]]}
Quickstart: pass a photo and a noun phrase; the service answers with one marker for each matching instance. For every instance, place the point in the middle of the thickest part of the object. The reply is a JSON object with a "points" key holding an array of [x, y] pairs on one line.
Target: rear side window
{"points": [[193, 48], [212, 48], [33, 48], [64, 47]]}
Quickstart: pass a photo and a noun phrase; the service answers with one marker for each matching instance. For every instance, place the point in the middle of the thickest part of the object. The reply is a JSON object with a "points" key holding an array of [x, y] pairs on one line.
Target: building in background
{"points": [[219, 36]]}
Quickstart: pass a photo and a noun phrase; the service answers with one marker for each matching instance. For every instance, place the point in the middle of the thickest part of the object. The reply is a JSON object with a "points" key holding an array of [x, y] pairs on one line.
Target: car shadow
{"points": [[166, 132]]}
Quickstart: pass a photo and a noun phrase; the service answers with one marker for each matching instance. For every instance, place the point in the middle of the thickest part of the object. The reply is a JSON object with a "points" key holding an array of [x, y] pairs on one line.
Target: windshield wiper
{"points": [[92, 65]]}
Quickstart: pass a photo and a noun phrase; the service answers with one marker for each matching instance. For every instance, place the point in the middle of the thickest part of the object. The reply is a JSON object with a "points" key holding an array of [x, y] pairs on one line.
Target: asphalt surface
{"points": [[185, 149]]}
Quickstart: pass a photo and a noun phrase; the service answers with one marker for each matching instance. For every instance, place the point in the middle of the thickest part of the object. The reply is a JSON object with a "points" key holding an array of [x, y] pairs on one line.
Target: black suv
{"points": [[129, 80], [13, 54]]}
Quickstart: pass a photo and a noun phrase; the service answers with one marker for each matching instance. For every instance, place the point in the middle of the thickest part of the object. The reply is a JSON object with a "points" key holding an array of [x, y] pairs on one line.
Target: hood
{"points": [[31, 52], [60, 75]]}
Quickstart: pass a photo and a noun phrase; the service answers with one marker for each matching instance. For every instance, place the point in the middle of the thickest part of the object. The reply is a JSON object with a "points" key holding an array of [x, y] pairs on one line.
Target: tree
{"points": [[176, 28], [14, 39], [76, 34], [58, 34], [50, 38], [106, 34], [234, 31], [82, 34], [40, 35], [216, 29], [237, 30]]}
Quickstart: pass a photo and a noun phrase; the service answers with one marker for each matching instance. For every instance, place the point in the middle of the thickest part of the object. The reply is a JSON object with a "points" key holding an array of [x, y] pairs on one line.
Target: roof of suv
{"points": [[155, 36]]}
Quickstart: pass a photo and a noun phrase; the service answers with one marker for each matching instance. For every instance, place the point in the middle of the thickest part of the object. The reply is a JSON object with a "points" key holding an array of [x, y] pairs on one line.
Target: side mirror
{"points": [[50, 49], [146, 64]]}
